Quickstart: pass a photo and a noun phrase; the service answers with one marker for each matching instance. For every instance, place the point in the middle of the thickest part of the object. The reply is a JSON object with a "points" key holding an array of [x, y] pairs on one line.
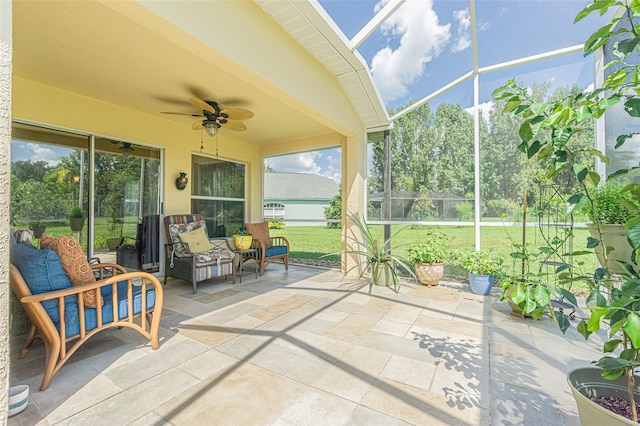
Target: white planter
{"points": [[18, 399]]}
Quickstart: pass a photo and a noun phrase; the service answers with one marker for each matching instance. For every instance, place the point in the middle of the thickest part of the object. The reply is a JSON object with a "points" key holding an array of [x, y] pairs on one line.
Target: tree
{"points": [[334, 211]]}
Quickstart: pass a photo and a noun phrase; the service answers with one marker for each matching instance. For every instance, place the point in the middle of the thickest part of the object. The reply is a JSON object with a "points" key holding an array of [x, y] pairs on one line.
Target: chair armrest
{"points": [[169, 248], [280, 241], [113, 281], [257, 244]]}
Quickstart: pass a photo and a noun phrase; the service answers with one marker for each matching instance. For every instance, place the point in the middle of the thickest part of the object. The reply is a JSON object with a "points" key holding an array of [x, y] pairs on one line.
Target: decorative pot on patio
{"points": [[429, 273], [481, 284], [114, 243], [182, 181], [242, 242], [588, 382], [76, 223], [382, 275], [38, 230]]}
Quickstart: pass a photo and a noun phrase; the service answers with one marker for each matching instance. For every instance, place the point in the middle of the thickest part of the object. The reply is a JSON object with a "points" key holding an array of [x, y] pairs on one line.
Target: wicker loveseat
{"points": [[58, 310], [184, 262]]}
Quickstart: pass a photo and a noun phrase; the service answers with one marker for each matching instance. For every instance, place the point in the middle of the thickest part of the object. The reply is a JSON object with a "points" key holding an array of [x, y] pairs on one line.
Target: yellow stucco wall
{"points": [[50, 106]]}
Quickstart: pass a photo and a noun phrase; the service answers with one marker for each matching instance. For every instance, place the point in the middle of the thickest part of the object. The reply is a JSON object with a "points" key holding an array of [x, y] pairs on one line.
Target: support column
{"points": [[354, 193], [6, 47]]}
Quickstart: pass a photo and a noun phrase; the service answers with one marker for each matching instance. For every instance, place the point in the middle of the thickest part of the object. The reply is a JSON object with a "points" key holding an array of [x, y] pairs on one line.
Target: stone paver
{"points": [[307, 347]]}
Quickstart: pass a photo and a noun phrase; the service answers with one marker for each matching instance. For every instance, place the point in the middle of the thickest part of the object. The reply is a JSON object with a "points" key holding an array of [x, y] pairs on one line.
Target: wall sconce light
{"points": [[182, 181]]}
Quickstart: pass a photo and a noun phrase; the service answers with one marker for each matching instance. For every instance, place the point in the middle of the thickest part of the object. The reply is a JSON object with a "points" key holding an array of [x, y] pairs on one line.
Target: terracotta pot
{"points": [[429, 273]]}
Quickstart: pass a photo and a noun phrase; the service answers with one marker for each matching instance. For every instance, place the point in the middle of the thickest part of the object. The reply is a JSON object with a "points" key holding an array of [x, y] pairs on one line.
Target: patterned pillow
{"points": [[260, 232], [74, 262], [178, 228], [197, 240], [219, 252]]}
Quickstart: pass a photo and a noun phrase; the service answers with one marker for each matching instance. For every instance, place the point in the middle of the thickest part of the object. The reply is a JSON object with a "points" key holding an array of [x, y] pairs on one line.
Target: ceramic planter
{"points": [[383, 275], [616, 237], [114, 243], [18, 399], [38, 230], [429, 273], [588, 381], [242, 242], [76, 223], [481, 284]]}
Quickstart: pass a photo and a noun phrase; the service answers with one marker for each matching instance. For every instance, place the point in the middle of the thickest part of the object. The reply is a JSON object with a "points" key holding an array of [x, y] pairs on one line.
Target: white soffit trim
{"points": [[311, 26]]}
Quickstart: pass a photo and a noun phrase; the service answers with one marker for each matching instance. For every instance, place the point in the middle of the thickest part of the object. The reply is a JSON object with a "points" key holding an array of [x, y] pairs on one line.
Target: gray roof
{"points": [[298, 186]]}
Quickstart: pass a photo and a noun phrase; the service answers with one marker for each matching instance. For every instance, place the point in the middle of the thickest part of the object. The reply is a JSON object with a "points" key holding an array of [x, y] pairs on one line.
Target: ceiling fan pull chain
{"points": [[201, 141]]}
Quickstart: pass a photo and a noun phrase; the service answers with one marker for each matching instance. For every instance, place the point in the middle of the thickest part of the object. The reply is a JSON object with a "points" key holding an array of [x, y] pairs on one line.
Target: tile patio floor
{"points": [[305, 348]]}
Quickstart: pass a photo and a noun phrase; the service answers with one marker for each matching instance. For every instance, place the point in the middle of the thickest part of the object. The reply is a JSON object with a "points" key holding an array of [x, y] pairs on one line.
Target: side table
{"points": [[252, 252]]}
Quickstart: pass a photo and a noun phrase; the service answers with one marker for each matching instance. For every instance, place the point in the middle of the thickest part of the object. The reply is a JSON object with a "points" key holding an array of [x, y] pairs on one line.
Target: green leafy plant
{"points": [[612, 204], [483, 262], [242, 231], [75, 213], [548, 131], [432, 250], [372, 255]]}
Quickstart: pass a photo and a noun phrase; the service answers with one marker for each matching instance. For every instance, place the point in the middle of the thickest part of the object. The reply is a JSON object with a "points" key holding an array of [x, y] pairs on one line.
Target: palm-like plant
{"points": [[373, 256]]}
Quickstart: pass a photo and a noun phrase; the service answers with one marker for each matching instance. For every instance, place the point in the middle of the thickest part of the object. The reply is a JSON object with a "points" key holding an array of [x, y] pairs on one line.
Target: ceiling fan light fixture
{"points": [[211, 127], [126, 149]]}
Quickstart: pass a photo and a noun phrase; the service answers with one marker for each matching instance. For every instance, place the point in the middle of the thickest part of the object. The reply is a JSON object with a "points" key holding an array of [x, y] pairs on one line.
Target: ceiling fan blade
{"points": [[238, 113], [182, 113], [197, 125], [202, 105], [234, 125]]}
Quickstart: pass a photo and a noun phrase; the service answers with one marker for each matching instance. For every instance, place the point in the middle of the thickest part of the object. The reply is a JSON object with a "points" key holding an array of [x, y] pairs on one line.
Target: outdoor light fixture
{"points": [[126, 149], [211, 127]]}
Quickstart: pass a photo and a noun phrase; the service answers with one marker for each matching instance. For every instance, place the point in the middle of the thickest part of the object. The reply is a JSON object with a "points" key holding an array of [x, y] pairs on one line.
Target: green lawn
{"points": [[313, 242]]}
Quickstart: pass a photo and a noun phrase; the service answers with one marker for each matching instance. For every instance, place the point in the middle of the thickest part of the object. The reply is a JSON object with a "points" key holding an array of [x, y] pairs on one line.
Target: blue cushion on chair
{"points": [[275, 251], [43, 272]]}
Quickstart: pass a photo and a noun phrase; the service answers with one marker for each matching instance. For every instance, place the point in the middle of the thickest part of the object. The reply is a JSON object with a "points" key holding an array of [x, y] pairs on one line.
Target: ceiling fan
{"points": [[216, 117]]}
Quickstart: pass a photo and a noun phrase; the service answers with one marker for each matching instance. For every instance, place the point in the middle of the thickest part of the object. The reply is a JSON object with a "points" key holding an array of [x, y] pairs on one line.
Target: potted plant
{"points": [[610, 208], [38, 229], [76, 219], [428, 257], [242, 239], [116, 225], [484, 267], [374, 257], [547, 135]]}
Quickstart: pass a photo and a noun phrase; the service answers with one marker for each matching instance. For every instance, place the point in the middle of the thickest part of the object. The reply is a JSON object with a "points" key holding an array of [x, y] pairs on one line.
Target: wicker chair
{"points": [[64, 327], [269, 249], [182, 263]]}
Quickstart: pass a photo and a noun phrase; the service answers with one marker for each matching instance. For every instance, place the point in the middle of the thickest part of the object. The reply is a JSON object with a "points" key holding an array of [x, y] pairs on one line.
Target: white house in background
{"points": [[297, 199]]}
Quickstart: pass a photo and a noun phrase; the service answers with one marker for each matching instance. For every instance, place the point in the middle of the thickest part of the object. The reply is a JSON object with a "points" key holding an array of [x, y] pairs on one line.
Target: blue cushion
{"points": [[43, 272], [91, 320], [275, 251]]}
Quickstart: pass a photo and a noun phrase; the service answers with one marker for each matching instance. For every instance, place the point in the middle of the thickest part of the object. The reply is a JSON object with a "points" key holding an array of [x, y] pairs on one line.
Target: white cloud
{"points": [[463, 40], [422, 38], [22, 151], [327, 163], [485, 110], [295, 163]]}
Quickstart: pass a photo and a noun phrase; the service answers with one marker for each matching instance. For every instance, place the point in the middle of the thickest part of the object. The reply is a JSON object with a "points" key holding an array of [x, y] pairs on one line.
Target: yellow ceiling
{"points": [[121, 53]]}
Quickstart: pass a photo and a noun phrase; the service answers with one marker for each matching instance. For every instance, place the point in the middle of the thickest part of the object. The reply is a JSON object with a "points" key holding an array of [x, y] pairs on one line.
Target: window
{"points": [[218, 193], [273, 211]]}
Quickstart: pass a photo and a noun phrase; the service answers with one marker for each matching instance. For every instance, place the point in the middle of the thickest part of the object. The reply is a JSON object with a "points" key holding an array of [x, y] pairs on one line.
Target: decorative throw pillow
{"points": [[175, 229], [197, 240], [48, 240], [260, 232], [74, 262], [43, 272]]}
